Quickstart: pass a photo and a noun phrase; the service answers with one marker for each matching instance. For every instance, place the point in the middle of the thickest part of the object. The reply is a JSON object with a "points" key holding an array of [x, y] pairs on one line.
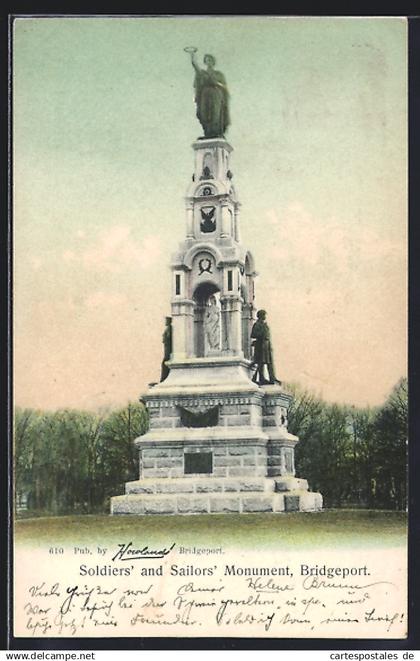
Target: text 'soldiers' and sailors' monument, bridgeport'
{"points": [[218, 439]]}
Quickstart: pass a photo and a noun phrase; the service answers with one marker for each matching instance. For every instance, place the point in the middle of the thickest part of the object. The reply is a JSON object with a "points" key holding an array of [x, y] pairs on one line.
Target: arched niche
{"points": [[206, 190], [208, 166], [207, 320], [212, 250], [249, 266], [244, 293]]}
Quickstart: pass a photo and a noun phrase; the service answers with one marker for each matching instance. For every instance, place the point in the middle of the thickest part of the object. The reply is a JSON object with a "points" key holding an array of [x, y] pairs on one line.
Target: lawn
{"points": [[330, 528]]}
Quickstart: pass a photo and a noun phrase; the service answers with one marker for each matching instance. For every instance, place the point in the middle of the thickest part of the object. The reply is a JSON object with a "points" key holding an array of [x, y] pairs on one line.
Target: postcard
{"points": [[210, 379]]}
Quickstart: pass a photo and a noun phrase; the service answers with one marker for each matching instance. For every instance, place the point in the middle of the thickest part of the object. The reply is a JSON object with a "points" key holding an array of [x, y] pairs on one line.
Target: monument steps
{"points": [[199, 485], [214, 502]]}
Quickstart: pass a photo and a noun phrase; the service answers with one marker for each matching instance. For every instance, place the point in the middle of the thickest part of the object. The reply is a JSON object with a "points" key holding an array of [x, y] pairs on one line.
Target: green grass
{"points": [[330, 528]]}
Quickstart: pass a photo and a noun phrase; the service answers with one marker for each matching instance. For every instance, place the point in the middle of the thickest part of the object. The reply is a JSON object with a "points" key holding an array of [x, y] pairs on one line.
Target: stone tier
{"points": [[217, 443], [199, 485], [194, 376], [208, 495]]}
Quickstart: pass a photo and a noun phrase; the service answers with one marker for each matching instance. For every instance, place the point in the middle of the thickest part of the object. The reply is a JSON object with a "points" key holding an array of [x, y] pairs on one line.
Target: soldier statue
{"points": [[263, 354], [167, 347]]}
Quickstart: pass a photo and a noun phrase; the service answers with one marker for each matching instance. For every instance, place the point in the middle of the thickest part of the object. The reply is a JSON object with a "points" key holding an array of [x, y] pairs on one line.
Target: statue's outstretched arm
{"points": [[194, 63]]}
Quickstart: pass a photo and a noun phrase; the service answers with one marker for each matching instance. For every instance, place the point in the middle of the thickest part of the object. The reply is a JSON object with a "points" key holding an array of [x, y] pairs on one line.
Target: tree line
{"points": [[354, 456], [71, 461]]}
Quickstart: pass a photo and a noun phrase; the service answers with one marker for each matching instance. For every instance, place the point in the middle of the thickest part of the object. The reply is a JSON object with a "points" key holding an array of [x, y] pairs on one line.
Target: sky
{"points": [[103, 122]]}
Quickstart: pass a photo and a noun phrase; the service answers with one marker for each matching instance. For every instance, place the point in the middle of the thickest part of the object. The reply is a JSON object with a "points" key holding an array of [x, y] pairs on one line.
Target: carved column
{"points": [[232, 325], [182, 329], [236, 223], [190, 221], [226, 221]]}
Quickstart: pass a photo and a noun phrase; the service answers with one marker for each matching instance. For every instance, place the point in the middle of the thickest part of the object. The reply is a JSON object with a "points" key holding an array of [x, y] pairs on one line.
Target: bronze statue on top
{"points": [[211, 96], [263, 354]]}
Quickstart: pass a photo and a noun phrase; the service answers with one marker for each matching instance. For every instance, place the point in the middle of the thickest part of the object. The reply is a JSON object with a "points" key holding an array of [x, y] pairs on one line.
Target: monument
{"points": [[218, 439]]}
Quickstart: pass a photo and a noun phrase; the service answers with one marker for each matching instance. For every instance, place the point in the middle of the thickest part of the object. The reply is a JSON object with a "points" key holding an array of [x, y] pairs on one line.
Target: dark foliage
{"points": [[355, 457], [72, 461]]}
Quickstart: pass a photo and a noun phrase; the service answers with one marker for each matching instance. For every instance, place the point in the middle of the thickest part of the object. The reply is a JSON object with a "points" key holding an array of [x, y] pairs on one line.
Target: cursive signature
{"points": [[127, 552], [315, 583], [269, 586]]}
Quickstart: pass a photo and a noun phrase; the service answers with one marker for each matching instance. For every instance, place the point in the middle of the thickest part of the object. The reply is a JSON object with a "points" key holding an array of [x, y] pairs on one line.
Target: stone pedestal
{"points": [[217, 443]]}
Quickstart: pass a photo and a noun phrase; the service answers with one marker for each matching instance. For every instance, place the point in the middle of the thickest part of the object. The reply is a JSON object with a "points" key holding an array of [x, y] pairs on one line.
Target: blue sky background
{"points": [[103, 123]]}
